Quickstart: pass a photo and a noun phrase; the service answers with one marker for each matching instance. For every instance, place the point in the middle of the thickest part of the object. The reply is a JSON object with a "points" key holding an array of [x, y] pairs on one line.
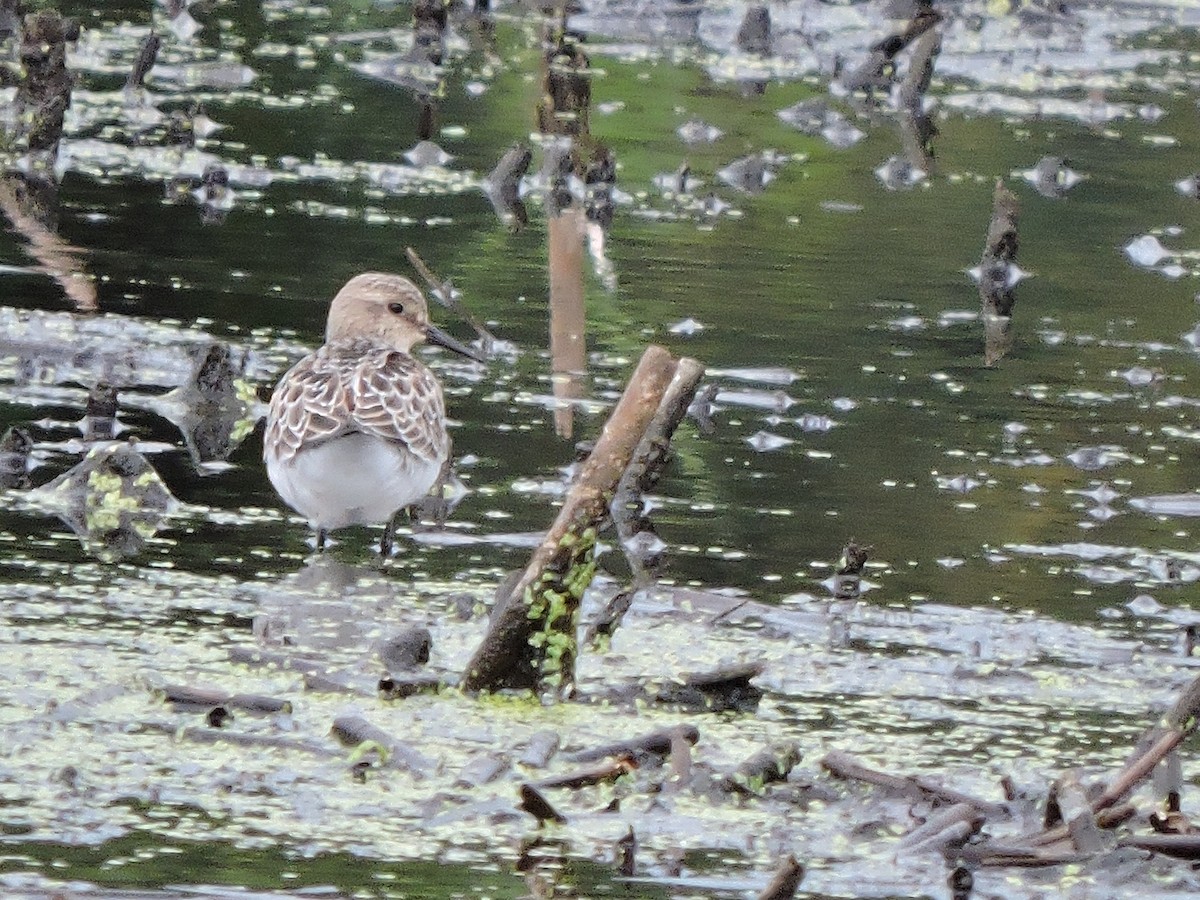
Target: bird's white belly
{"points": [[352, 480]]}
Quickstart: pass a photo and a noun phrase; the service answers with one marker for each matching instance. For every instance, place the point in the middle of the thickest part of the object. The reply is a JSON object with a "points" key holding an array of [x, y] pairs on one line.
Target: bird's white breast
{"points": [[356, 479]]}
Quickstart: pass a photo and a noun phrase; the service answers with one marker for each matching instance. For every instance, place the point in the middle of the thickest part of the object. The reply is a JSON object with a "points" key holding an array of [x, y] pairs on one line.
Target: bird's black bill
{"points": [[435, 335]]}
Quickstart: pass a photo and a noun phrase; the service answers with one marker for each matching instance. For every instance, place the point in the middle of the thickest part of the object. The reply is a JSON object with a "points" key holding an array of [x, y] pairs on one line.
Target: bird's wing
{"points": [[378, 392], [396, 398], [310, 405]]}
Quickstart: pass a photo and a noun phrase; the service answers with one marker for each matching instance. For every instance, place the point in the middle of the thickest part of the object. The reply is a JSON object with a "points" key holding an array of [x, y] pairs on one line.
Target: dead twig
{"points": [[948, 828], [1157, 745], [997, 277], [784, 884], [1179, 846], [443, 292], [605, 772], [879, 68], [191, 695], [642, 474], [532, 640], [539, 749], [765, 767], [1179, 722], [657, 743], [843, 765], [356, 732]]}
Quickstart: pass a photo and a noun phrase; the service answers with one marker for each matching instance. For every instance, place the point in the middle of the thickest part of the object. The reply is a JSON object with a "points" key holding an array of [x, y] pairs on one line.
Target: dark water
{"points": [[836, 315]]}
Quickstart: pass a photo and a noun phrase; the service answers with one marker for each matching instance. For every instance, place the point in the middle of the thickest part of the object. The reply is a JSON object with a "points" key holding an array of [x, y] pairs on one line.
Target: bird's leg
{"points": [[388, 541], [434, 506], [322, 539]]}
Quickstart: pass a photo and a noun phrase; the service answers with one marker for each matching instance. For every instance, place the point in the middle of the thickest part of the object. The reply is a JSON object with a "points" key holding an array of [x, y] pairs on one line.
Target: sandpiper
{"points": [[356, 430]]}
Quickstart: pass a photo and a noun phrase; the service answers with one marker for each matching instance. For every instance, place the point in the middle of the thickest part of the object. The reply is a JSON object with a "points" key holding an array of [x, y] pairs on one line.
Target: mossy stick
{"points": [[531, 643]]}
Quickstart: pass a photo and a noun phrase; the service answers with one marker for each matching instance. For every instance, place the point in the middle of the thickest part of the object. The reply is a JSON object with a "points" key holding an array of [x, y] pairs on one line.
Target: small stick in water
{"points": [[605, 772], [443, 293], [627, 854], [785, 882], [397, 687], [538, 806], [354, 731], [190, 695], [539, 749], [657, 743], [147, 54], [843, 765], [763, 768]]}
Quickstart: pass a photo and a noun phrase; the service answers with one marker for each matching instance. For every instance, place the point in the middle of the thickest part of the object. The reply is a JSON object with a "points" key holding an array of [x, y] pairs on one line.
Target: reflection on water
{"points": [[568, 350], [808, 246]]}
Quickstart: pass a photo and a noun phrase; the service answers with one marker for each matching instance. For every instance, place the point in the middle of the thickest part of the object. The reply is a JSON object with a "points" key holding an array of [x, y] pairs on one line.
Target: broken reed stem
{"points": [[785, 882], [920, 69], [531, 643], [642, 473], [999, 253], [997, 274], [843, 765], [874, 72], [1180, 722], [443, 292]]}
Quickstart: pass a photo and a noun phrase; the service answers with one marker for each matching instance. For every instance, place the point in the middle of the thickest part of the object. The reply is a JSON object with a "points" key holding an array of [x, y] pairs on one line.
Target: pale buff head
{"points": [[388, 310], [383, 308]]}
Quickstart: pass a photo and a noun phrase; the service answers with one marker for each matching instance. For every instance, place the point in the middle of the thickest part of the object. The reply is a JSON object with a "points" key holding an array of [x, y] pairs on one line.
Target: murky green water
{"points": [[838, 323]]}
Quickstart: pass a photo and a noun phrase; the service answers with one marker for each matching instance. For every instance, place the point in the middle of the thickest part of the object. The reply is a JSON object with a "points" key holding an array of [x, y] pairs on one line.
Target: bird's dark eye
{"points": [[397, 308]]}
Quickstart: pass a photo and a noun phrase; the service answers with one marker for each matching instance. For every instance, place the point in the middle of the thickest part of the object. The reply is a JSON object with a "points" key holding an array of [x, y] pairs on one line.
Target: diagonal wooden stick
{"points": [[443, 293], [531, 642]]}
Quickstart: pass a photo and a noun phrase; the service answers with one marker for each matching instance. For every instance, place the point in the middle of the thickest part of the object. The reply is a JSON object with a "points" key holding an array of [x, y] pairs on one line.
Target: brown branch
{"points": [[999, 254], [949, 827], [443, 293], [531, 642], [598, 774], [657, 743], [764, 767], [784, 883], [192, 695], [1159, 742], [1178, 724], [539, 749], [353, 731], [639, 477], [878, 69], [843, 765], [1180, 846]]}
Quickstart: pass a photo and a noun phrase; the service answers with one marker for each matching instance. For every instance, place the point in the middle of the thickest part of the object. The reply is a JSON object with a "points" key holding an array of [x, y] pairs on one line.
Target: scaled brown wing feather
{"points": [[396, 398], [338, 391], [309, 406]]}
